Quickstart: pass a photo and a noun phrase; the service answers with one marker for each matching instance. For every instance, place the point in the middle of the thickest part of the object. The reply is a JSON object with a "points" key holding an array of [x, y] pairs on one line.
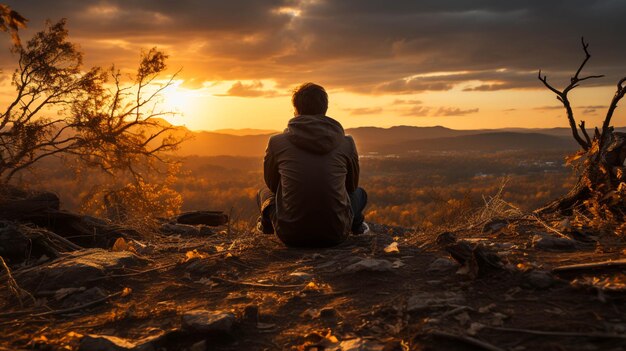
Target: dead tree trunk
{"points": [[602, 156]]}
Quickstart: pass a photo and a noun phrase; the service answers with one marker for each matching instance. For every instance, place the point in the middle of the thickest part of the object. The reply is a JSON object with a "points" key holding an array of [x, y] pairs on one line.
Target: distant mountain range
{"points": [[396, 140]]}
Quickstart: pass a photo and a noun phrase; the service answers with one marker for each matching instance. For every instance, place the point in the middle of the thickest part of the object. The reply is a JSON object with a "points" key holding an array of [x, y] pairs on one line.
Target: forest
{"points": [[417, 191]]}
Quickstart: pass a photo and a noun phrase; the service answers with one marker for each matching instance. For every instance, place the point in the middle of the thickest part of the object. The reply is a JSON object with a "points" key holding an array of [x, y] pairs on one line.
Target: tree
{"points": [[11, 21], [601, 186], [104, 118]]}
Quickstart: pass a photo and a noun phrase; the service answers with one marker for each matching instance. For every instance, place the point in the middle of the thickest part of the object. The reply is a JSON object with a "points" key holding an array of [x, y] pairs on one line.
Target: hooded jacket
{"points": [[312, 167]]}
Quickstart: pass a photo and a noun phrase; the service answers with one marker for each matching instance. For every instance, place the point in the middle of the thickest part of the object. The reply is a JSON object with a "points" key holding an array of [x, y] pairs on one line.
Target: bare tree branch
{"points": [[562, 97]]}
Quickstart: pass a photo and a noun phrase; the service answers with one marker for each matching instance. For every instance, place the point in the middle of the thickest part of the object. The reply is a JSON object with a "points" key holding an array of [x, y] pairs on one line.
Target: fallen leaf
{"points": [[120, 245], [189, 255], [126, 291], [392, 248]]}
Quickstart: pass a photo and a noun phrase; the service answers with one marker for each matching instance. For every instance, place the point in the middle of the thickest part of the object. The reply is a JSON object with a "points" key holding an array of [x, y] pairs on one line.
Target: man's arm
{"points": [[270, 168], [352, 178]]}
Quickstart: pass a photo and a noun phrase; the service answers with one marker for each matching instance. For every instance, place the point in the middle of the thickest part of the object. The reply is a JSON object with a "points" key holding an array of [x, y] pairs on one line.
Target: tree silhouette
{"points": [[601, 186], [100, 116]]}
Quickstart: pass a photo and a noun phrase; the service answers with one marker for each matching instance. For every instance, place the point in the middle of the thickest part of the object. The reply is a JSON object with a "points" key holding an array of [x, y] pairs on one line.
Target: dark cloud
{"points": [[366, 46]]}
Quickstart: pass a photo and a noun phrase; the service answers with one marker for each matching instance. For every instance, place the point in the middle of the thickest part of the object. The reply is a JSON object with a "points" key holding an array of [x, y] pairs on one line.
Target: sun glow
{"points": [[181, 103]]}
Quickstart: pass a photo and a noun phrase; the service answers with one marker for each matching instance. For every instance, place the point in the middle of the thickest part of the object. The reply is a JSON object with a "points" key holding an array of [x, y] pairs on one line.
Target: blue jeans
{"points": [[266, 202]]}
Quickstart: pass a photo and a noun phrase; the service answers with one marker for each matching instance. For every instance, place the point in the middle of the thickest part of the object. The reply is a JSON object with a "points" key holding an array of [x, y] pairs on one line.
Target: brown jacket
{"points": [[311, 167]]}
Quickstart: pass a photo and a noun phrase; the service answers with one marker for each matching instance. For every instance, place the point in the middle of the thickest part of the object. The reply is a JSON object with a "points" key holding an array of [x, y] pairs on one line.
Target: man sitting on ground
{"points": [[311, 171]]}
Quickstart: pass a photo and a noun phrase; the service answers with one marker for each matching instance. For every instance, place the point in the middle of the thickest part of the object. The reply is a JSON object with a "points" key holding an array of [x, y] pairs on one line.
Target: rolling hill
{"points": [[396, 140]]}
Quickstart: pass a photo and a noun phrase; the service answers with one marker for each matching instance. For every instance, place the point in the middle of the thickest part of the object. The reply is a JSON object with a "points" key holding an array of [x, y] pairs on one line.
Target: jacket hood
{"points": [[315, 133]]}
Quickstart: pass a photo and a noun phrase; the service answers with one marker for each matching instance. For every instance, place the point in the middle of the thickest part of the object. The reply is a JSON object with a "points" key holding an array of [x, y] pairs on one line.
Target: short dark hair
{"points": [[310, 99]]}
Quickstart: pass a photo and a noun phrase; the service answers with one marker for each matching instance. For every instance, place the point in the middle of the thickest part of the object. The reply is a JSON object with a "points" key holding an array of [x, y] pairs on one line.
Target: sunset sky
{"points": [[457, 63]]}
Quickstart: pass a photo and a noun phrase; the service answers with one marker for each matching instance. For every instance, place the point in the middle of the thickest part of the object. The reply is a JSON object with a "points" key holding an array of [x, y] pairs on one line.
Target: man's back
{"points": [[312, 167]]}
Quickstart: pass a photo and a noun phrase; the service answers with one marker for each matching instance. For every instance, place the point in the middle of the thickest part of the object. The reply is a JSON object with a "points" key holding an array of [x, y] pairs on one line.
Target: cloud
{"points": [[586, 109], [254, 89], [406, 102], [548, 108], [416, 111], [364, 46], [454, 111], [358, 111]]}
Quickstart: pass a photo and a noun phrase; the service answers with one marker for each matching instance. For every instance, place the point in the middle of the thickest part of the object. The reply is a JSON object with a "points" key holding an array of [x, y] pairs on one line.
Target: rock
{"points": [[477, 260], [14, 245], [494, 226], [83, 297], [210, 218], [550, 243], [93, 342], [199, 346], [185, 229], [425, 300], [445, 238], [77, 268], [359, 344], [539, 279], [21, 205], [442, 265], [20, 242], [207, 321], [370, 265], [328, 313], [302, 276], [251, 314]]}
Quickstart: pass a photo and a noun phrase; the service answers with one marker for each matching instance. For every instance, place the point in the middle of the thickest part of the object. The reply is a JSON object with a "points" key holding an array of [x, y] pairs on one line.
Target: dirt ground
{"points": [[366, 294]]}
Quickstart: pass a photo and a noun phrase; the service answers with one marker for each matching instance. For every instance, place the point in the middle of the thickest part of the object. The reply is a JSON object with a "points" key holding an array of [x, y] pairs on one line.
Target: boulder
{"points": [[93, 342], [204, 321], [77, 269], [538, 279], [210, 218], [550, 243], [442, 265], [369, 265], [185, 229], [425, 300]]}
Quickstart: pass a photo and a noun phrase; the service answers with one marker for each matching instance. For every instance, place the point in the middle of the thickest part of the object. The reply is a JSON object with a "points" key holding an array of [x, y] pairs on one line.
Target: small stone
{"points": [[359, 344], [93, 342], [442, 265], [328, 313], [303, 276], [549, 243], [539, 279], [83, 297], [494, 225], [251, 314], [207, 321], [445, 238], [424, 300], [199, 346], [370, 265]]}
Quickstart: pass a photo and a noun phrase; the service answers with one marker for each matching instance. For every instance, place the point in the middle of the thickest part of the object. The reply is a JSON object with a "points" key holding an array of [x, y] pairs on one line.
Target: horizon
{"points": [[457, 65]]}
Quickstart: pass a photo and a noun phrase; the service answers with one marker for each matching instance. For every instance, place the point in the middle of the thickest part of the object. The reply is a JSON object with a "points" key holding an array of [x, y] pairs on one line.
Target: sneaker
{"points": [[261, 227], [363, 229]]}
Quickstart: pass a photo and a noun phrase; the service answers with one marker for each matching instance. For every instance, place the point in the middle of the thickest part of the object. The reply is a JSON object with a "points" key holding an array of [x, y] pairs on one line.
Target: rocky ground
{"points": [[508, 284]]}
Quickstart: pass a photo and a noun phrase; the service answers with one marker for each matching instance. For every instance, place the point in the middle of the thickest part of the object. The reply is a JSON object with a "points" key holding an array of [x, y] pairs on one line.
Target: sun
{"points": [[178, 99]]}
